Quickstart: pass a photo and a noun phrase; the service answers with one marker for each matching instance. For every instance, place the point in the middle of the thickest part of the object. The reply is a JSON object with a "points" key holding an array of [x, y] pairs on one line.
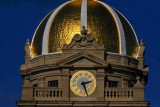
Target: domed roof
{"points": [[106, 24]]}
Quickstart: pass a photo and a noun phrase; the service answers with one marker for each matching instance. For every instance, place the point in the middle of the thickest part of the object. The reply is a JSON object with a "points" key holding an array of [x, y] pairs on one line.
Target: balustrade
{"points": [[47, 93], [119, 94], [111, 94]]}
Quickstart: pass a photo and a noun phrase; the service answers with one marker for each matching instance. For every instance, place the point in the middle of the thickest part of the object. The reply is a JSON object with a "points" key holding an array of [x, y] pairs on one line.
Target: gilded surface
{"points": [[83, 83], [131, 41], [64, 26], [102, 25]]}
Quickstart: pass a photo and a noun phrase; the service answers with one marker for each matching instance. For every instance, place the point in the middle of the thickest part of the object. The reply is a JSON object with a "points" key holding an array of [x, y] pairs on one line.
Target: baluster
{"points": [[47, 93], [61, 93], [121, 93], [54, 95], [43, 92], [107, 93], [115, 93], [111, 94], [39, 93], [132, 93], [51, 93], [124, 93], [128, 93], [57, 93], [118, 94]]}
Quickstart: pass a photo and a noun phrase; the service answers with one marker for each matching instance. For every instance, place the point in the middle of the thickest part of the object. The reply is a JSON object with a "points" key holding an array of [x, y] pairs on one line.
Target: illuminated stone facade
{"points": [[110, 79]]}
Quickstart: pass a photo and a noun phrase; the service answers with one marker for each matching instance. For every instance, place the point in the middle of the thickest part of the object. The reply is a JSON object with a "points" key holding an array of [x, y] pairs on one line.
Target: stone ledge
{"points": [[21, 103]]}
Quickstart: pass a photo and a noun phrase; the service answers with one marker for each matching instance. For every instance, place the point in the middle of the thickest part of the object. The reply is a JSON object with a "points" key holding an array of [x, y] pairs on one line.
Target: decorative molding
{"points": [[80, 56], [83, 41]]}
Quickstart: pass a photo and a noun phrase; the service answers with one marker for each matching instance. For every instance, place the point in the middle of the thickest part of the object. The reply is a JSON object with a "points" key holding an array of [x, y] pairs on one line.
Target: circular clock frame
{"points": [[83, 83]]}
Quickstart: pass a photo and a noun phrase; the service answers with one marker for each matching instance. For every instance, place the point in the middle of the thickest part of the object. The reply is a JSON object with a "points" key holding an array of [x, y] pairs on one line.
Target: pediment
{"points": [[82, 59]]}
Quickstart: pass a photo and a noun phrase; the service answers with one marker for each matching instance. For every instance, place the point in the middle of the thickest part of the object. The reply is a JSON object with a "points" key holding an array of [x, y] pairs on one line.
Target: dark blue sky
{"points": [[19, 19]]}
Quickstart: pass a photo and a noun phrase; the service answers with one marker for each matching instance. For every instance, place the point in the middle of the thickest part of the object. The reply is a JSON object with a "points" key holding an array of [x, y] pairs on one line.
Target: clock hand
{"points": [[87, 82], [84, 87]]}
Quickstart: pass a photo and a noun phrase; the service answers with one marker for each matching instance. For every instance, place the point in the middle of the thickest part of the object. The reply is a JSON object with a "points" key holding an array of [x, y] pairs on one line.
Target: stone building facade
{"points": [[75, 62]]}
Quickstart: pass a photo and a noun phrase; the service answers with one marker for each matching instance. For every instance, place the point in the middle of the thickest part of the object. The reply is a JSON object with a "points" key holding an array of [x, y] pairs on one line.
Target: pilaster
{"points": [[65, 84], [27, 93], [100, 84], [138, 91], [41, 82], [124, 83], [141, 62]]}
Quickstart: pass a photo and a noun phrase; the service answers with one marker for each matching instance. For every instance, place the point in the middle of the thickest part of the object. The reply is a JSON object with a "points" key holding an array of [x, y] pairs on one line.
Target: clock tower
{"points": [[84, 53]]}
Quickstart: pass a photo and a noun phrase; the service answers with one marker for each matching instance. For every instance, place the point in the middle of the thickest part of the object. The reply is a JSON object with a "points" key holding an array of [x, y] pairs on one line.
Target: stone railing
{"points": [[119, 94], [47, 94]]}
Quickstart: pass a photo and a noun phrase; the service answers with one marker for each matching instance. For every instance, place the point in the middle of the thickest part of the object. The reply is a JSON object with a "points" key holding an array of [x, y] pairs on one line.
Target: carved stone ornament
{"points": [[77, 37], [27, 48], [138, 84], [89, 38], [83, 41], [141, 49]]}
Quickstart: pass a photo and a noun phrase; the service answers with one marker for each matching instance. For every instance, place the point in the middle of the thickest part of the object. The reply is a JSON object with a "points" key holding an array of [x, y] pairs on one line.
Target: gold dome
{"points": [[107, 25]]}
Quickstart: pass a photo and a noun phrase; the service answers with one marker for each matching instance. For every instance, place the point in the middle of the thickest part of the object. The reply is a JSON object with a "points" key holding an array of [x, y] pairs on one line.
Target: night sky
{"points": [[20, 18]]}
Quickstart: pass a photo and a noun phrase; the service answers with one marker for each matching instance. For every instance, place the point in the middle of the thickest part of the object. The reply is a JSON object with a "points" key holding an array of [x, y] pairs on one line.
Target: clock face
{"points": [[83, 83]]}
